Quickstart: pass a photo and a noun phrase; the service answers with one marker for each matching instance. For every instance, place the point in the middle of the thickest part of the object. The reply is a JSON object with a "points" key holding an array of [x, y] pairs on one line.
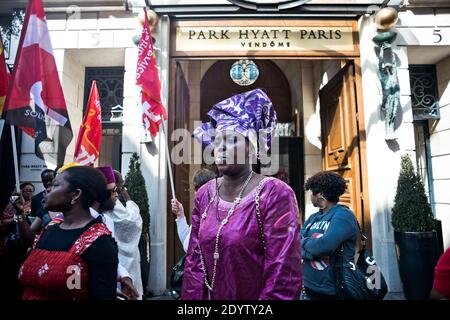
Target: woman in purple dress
{"points": [[245, 227]]}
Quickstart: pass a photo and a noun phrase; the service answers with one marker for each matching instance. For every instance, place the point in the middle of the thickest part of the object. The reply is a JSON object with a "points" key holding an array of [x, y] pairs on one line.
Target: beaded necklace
{"points": [[216, 255]]}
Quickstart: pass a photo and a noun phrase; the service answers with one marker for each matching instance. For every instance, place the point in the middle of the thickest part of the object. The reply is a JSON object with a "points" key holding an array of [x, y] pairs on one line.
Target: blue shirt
{"points": [[321, 235]]}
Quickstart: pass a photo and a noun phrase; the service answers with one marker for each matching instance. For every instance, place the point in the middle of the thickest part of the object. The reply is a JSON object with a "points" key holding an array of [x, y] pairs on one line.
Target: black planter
{"points": [[440, 237], [417, 255]]}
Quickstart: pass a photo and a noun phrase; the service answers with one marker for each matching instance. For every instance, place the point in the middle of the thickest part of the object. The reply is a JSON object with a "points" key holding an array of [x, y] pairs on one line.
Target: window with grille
{"points": [[424, 95], [110, 88]]}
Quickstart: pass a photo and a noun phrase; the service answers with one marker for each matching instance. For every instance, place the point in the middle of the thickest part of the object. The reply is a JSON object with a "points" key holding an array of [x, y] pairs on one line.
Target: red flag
{"points": [[147, 78], [35, 100], [4, 77], [88, 142]]}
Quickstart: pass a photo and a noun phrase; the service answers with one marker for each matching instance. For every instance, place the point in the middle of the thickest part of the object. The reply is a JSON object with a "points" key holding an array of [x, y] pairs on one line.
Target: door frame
{"points": [[365, 205], [361, 208]]}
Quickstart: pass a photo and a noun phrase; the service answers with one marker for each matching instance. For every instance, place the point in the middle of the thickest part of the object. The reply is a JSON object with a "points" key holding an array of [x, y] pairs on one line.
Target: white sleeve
{"points": [[122, 272], [132, 208], [134, 215], [184, 232], [186, 240]]}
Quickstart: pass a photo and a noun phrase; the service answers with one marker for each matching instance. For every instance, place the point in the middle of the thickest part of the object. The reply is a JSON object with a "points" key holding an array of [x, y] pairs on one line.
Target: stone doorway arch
{"points": [[217, 85]]}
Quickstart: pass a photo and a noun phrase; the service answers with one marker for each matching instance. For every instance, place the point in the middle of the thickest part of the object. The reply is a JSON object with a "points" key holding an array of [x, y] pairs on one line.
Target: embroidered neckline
{"points": [[225, 205]]}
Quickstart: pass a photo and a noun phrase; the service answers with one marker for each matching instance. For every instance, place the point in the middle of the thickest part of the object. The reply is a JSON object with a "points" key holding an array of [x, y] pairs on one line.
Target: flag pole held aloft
{"points": [[16, 162], [87, 148], [153, 111]]}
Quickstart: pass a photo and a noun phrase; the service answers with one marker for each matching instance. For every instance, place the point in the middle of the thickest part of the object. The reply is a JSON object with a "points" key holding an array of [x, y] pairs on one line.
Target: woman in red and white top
{"points": [[76, 258]]}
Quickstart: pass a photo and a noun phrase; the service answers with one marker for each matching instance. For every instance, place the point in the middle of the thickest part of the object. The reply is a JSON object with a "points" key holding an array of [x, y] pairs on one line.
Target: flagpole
{"points": [[169, 164], [16, 163], [149, 44]]}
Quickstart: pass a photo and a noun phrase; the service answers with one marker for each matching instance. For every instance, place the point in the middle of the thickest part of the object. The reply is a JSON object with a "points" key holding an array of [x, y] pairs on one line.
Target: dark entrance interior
{"points": [[217, 85]]}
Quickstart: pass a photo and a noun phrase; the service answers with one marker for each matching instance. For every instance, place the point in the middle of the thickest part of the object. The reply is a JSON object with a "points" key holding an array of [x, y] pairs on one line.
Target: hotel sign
{"points": [[254, 40]]}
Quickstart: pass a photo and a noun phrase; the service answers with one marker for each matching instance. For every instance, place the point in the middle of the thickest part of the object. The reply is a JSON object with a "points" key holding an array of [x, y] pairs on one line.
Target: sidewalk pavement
{"points": [[394, 296], [389, 296], [165, 296]]}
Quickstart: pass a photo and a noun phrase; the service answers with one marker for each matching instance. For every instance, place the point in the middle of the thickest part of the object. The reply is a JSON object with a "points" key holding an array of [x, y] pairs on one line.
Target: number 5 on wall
{"points": [[95, 39], [437, 34]]}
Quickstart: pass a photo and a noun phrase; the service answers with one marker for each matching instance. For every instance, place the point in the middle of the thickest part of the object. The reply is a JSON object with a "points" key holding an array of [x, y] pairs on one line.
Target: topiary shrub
{"points": [[135, 183], [411, 211]]}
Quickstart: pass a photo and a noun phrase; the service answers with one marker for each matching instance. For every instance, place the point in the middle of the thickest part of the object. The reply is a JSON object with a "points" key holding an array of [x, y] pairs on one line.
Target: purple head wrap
{"points": [[108, 173], [250, 113]]}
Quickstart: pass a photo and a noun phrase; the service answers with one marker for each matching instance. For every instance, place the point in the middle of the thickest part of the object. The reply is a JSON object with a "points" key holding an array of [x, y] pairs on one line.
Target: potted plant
{"points": [[135, 184], [416, 239]]}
